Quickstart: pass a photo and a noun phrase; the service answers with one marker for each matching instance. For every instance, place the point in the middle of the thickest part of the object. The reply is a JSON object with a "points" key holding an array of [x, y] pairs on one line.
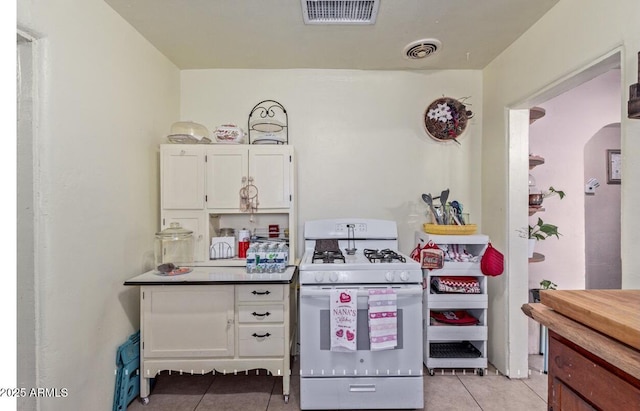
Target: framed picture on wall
{"points": [[614, 167]]}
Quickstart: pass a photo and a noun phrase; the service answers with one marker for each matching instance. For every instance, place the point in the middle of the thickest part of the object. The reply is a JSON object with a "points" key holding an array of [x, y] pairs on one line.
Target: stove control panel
{"points": [[360, 277]]}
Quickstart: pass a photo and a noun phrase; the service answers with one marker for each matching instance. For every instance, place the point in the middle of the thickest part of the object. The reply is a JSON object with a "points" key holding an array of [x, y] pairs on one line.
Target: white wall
{"points": [[105, 100], [360, 145], [571, 36]]}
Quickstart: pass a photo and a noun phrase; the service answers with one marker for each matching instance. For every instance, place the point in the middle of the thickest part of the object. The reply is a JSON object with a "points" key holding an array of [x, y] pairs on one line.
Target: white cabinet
{"points": [[230, 167], [224, 328], [193, 220], [200, 188], [182, 177], [456, 346], [187, 321]]}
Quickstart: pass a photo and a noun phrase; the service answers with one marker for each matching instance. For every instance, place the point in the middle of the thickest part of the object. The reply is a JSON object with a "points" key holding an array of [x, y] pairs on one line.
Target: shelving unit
{"points": [[537, 257], [535, 161], [456, 346]]}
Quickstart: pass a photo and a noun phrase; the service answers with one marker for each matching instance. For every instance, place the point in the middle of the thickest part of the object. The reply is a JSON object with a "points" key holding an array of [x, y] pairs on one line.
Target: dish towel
{"points": [[383, 321], [344, 319]]}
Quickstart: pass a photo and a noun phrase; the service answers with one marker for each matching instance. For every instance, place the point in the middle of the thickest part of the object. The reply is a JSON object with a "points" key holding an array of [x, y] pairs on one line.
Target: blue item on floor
{"points": [[128, 373]]}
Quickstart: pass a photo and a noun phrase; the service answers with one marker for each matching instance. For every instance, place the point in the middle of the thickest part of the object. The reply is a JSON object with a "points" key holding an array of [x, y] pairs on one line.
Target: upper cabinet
{"points": [[182, 177], [266, 167]]}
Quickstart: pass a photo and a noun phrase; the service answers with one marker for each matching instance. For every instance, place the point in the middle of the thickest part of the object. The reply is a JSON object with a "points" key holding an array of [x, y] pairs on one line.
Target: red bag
{"points": [[492, 262]]}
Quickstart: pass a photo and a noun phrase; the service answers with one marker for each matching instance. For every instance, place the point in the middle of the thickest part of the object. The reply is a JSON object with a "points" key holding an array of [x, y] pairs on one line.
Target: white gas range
{"points": [[358, 256]]}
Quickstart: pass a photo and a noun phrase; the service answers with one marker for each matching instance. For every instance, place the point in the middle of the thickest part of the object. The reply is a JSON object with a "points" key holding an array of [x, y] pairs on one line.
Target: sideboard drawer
{"points": [[261, 340], [260, 292], [273, 313]]}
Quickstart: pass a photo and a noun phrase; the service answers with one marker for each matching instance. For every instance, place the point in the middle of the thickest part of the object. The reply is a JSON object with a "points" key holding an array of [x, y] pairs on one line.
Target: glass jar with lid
{"points": [[174, 245]]}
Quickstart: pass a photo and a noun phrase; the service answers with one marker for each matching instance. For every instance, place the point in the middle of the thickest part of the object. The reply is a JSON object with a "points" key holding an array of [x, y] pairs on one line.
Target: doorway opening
{"points": [[562, 170]]}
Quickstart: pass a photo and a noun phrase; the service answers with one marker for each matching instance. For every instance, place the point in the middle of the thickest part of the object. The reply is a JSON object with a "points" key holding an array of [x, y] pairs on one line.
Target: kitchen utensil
{"points": [[429, 200], [444, 196], [457, 209]]}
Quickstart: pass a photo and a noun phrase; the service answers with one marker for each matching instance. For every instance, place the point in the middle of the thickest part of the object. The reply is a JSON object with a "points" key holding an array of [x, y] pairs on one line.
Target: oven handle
{"points": [[324, 292]]}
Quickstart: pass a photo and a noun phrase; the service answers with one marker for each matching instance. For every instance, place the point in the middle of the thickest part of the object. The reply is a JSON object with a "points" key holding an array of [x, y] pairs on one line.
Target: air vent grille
{"points": [[340, 12], [421, 48]]}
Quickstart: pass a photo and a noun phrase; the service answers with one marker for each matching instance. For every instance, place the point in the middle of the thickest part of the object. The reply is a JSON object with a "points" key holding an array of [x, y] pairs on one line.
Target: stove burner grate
{"points": [[383, 256], [327, 256]]}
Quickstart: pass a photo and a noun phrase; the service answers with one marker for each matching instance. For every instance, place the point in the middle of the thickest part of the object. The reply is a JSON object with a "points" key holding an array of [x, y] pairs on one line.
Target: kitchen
{"points": [[115, 155]]}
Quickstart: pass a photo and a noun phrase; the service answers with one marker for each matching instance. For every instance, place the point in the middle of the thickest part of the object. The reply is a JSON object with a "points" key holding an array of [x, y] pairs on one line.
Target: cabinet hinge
{"points": [[289, 197], [206, 197], [163, 222], [206, 158], [143, 295], [289, 158]]}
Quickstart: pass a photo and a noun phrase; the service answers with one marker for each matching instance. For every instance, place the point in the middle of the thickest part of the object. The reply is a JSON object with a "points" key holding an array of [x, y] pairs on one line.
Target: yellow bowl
{"points": [[450, 229]]}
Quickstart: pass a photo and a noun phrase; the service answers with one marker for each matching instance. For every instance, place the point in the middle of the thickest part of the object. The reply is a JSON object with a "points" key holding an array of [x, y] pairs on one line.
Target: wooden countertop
{"points": [[615, 313], [603, 322]]}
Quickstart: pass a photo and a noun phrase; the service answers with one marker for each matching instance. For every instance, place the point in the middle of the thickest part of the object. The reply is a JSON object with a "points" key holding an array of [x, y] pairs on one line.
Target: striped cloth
{"points": [[383, 322]]}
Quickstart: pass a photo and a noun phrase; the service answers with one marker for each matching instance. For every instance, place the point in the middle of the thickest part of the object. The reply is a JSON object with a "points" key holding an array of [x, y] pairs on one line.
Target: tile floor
{"points": [[446, 390]]}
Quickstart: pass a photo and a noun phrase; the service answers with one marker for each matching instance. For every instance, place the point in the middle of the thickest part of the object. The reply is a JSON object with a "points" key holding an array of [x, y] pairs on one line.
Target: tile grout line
{"points": [[205, 391], [472, 396]]}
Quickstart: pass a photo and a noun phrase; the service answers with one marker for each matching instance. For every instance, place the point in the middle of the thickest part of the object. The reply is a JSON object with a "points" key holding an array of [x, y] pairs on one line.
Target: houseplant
{"points": [[544, 285], [540, 231]]}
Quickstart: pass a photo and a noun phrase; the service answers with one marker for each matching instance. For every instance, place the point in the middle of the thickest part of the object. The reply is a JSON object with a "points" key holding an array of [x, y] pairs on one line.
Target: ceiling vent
{"points": [[340, 11], [421, 48]]}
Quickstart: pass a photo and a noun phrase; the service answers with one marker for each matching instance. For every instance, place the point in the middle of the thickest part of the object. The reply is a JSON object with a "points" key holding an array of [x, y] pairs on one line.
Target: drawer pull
{"points": [[255, 314], [260, 336], [362, 387], [254, 292]]}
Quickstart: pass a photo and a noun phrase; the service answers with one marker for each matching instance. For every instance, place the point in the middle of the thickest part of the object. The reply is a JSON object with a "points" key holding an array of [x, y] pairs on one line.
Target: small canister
{"points": [[244, 237], [274, 230]]}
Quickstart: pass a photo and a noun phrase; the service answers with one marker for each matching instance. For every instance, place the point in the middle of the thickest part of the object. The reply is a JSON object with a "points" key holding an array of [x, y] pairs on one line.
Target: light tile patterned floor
{"points": [[455, 390]]}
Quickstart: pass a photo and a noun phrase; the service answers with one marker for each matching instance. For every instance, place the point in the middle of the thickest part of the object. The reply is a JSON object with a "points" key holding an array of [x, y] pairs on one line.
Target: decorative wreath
{"points": [[446, 119]]}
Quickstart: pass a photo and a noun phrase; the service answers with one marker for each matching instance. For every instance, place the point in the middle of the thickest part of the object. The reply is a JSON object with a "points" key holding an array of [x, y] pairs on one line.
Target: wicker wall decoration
{"points": [[445, 119]]}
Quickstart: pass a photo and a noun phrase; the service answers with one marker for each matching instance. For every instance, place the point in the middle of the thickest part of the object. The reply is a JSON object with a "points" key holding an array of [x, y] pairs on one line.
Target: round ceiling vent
{"points": [[421, 48]]}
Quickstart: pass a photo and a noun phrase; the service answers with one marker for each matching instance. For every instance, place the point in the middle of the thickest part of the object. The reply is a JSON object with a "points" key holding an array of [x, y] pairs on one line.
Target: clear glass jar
{"points": [[174, 245]]}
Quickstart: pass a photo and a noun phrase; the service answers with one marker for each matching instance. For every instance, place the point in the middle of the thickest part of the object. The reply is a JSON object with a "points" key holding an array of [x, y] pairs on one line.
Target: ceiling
{"points": [[271, 34]]}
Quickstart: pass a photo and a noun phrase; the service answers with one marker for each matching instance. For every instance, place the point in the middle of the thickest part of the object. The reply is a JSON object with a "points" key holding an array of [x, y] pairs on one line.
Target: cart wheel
{"points": [[144, 400], [286, 399], [432, 372], [481, 371]]}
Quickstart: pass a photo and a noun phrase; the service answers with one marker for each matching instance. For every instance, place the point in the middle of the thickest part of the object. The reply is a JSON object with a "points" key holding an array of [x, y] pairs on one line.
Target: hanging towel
{"points": [[383, 321], [344, 319]]}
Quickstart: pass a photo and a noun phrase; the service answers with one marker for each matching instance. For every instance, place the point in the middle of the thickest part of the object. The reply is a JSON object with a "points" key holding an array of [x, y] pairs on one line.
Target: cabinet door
{"points": [[270, 167], [225, 167], [182, 177], [188, 321], [194, 221]]}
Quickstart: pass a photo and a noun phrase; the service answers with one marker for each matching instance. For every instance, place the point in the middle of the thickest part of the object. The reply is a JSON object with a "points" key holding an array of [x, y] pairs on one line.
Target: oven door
{"points": [[316, 357]]}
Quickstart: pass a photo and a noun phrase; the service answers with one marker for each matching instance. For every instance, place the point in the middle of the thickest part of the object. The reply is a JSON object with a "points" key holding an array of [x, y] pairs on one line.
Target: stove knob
{"points": [[389, 276], [333, 277], [319, 277], [404, 276]]}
